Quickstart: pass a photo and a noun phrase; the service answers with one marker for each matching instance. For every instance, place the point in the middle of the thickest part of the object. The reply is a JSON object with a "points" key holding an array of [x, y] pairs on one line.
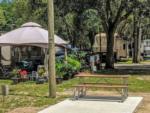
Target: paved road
{"points": [[133, 69], [133, 66]]}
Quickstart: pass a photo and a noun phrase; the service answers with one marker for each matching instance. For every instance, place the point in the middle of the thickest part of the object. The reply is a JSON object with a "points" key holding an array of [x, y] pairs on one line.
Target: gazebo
{"points": [[30, 34]]}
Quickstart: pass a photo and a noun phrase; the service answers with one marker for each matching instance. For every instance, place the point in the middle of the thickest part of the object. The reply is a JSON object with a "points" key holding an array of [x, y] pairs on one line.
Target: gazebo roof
{"points": [[31, 34], [31, 24]]}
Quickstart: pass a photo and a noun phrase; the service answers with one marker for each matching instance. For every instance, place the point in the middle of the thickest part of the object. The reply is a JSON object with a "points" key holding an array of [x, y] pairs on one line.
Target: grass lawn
{"points": [[129, 61], [145, 62], [29, 94]]}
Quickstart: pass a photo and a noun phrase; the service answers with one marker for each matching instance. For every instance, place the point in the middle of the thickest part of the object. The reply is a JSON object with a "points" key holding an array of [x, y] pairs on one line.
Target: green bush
{"points": [[78, 55], [67, 70], [15, 72], [41, 71], [59, 67], [74, 63]]}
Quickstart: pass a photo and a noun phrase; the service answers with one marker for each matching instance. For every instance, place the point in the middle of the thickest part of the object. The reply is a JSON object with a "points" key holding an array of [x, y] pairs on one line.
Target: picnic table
{"points": [[81, 88]]}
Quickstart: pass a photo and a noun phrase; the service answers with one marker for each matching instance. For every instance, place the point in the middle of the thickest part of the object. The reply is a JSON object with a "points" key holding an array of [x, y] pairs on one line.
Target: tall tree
{"points": [[78, 7], [2, 19], [113, 12], [139, 14], [7, 17], [90, 24]]}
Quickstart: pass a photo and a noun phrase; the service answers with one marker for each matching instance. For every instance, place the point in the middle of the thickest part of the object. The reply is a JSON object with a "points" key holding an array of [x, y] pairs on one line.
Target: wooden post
{"points": [[100, 51], [66, 54], [5, 90], [52, 77], [46, 60]]}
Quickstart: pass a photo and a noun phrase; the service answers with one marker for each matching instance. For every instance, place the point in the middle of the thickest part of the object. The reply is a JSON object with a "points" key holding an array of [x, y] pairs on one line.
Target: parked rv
{"points": [[120, 45]]}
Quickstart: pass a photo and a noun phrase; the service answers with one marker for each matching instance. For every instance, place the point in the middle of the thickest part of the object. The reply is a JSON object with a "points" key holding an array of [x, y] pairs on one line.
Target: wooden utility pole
{"points": [[51, 66]]}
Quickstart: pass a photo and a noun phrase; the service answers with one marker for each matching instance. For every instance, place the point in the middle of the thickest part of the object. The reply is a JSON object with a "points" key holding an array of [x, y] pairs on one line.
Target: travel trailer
{"points": [[120, 45]]}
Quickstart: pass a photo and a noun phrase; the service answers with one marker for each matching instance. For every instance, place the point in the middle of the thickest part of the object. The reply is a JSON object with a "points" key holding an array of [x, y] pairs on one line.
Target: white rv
{"points": [[146, 47]]}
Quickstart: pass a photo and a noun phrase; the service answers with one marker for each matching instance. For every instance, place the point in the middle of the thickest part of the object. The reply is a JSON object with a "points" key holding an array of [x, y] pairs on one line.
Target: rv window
{"points": [[124, 46], [130, 46]]}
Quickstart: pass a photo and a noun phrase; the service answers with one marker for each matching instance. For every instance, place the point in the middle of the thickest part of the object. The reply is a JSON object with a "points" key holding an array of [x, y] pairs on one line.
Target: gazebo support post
{"points": [[66, 55], [51, 50], [46, 60]]}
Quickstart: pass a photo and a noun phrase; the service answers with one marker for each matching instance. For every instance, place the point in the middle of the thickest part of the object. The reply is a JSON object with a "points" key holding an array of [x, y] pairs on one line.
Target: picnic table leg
{"points": [[84, 92], [80, 94], [76, 93], [126, 92], [125, 82], [122, 95]]}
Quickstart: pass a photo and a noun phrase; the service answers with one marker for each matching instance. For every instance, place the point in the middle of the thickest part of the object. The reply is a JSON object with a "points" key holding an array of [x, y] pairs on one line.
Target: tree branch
{"points": [[109, 10], [125, 16], [119, 12]]}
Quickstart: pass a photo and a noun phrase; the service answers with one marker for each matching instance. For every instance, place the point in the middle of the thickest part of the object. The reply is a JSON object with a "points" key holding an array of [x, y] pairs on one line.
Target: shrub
{"points": [[77, 55], [67, 70], [15, 72], [59, 68], [74, 63], [41, 71]]}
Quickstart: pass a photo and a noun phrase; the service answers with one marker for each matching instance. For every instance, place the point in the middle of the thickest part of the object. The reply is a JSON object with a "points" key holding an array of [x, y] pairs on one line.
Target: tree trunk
{"points": [[110, 50], [0, 55], [19, 54], [127, 49], [134, 41], [91, 38], [137, 43], [73, 40]]}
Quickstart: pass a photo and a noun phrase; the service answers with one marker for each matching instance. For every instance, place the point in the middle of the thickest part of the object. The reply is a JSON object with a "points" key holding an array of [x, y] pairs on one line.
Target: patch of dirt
{"points": [[25, 110], [144, 107], [144, 78]]}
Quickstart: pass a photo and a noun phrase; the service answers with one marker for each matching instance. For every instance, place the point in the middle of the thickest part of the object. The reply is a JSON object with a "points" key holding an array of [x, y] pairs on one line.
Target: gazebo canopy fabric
{"points": [[31, 34]]}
